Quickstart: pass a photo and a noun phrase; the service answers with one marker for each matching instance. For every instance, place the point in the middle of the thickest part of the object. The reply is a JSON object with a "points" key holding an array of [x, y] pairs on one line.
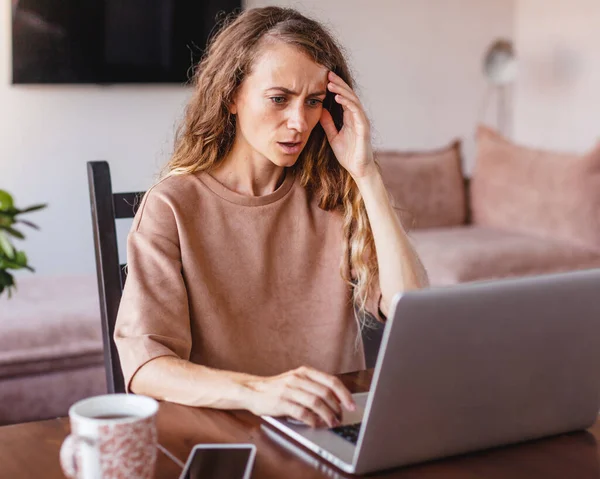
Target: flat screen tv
{"points": [[111, 41]]}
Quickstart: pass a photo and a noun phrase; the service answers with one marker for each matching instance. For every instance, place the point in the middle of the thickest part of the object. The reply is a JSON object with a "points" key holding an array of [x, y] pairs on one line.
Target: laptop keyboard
{"points": [[349, 433]]}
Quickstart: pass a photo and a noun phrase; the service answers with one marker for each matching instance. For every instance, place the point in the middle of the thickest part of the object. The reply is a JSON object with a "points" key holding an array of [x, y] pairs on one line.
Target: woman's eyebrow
{"points": [[292, 92]]}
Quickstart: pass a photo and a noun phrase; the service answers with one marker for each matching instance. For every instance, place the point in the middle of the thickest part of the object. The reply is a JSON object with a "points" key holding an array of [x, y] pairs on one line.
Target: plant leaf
{"points": [[14, 232], [6, 246], [17, 262], [6, 219], [6, 279], [10, 258], [32, 208], [9, 264], [28, 223], [21, 258]]}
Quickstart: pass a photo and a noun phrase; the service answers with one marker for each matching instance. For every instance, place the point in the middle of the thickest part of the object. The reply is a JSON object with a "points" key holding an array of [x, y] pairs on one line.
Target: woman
{"points": [[235, 297]]}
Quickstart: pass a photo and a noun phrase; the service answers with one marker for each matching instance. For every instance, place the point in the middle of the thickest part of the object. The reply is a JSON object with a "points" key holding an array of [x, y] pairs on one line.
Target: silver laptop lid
{"points": [[483, 364]]}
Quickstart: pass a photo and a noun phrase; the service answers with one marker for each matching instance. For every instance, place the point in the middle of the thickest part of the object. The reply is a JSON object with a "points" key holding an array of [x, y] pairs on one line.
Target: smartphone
{"points": [[234, 461]]}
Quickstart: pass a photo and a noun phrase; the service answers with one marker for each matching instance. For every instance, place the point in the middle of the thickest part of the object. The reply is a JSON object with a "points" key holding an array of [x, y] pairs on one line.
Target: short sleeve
{"points": [[153, 318]]}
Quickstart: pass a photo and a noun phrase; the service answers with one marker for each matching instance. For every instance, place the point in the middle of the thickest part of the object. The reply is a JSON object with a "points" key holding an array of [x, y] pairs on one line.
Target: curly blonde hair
{"points": [[207, 132]]}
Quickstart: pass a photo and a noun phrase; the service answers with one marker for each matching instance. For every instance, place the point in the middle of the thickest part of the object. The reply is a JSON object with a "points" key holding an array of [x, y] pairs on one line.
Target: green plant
{"points": [[10, 257]]}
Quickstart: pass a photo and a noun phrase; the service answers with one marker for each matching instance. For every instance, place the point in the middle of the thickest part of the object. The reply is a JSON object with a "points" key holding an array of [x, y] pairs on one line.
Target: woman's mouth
{"points": [[290, 148]]}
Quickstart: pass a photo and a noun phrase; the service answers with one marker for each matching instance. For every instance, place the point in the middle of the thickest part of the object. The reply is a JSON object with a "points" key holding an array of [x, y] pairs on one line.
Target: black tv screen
{"points": [[111, 41]]}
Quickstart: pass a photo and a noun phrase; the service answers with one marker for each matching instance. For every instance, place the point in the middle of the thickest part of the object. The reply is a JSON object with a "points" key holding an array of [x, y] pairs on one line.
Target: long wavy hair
{"points": [[207, 132]]}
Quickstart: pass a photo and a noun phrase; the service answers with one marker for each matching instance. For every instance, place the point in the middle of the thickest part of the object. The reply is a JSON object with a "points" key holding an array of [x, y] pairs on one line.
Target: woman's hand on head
{"points": [[352, 144], [305, 394]]}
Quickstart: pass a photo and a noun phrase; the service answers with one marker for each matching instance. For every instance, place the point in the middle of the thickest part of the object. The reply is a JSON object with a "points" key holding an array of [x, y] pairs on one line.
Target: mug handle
{"points": [[68, 454]]}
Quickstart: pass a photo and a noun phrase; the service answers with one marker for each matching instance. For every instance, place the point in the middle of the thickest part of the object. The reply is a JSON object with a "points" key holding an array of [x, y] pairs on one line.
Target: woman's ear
{"points": [[232, 107]]}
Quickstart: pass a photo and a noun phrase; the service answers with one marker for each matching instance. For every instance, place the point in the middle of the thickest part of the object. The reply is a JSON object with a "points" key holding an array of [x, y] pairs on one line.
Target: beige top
{"points": [[248, 284]]}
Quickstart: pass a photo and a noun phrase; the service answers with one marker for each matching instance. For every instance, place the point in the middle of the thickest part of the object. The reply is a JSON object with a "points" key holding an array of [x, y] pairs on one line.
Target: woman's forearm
{"points": [[400, 268], [304, 393], [179, 381]]}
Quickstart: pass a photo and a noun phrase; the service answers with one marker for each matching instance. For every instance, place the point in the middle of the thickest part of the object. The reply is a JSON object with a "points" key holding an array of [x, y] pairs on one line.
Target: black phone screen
{"points": [[216, 462]]}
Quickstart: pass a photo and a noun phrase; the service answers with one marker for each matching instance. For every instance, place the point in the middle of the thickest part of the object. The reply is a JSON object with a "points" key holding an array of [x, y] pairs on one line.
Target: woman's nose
{"points": [[297, 120]]}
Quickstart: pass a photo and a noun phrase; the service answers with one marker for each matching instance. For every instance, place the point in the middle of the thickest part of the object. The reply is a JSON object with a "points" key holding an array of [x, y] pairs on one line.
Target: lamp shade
{"points": [[500, 63]]}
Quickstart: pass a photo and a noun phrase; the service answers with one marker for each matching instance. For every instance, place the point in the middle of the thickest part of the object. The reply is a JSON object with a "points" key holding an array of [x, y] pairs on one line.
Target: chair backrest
{"points": [[107, 207]]}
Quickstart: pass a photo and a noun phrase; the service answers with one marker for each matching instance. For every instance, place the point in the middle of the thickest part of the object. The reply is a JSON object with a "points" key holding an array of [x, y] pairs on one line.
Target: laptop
{"points": [[469, 367]]}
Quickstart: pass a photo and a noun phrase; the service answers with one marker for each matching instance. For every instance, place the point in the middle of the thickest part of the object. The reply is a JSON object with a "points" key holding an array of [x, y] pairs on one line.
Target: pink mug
{"points": [[112, 437]]}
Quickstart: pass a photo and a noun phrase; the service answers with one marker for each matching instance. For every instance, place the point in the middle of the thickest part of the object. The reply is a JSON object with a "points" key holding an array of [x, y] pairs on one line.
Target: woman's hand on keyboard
{"points": [[306, 394]]}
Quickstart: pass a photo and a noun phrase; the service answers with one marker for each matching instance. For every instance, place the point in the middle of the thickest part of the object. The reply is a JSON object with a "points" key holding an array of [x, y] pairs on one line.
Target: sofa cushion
{"points": [[50, 324], [427, 187], [471, 253], [552, 195], [49, 395]]}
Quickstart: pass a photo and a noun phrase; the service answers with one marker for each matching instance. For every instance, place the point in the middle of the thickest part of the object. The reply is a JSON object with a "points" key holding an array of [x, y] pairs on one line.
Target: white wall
{"points": [[557, 99], [418, 66], [417, 63], [48, 133]]}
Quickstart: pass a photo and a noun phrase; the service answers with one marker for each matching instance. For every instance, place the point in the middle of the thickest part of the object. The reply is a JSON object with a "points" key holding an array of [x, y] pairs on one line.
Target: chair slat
{"points": [[126, 204]]}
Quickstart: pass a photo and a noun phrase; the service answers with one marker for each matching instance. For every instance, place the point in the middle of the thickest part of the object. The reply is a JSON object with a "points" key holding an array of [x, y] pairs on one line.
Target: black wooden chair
{"points": [[106, 208]]}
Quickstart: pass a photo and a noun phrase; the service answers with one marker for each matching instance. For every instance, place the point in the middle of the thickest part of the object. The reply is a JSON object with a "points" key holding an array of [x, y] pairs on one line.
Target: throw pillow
{"points": [[427, 187], [549, 194]]}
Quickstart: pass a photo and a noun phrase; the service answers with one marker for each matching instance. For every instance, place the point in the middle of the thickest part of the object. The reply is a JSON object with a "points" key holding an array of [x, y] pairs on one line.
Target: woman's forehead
{"points": [[280, 64]]}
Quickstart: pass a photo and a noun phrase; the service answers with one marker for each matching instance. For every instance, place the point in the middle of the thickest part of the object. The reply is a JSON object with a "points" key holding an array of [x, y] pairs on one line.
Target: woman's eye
{"points": [[314, 102], [278, 100]]}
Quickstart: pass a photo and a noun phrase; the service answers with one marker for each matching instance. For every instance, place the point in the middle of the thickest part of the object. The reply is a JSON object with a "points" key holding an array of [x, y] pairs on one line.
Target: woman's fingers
{"points": [[358, 117], [303, 414], [338, 80], [315, 406], [347, 103], [346, 97], [323, 392], [343, 90], [334, 384], [328, 125]]}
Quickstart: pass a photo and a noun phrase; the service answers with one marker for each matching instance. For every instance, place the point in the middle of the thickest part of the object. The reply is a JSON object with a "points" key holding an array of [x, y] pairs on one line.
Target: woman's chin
{"points": [[285, 161]]}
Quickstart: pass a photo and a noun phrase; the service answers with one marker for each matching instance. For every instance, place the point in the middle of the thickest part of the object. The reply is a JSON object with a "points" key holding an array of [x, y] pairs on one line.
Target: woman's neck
{"points": [[248, 173]]}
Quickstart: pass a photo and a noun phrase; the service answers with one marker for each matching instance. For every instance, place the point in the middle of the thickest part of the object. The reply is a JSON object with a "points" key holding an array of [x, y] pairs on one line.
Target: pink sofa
{"points": [[525, 212], [50, 347], [471, 252]]}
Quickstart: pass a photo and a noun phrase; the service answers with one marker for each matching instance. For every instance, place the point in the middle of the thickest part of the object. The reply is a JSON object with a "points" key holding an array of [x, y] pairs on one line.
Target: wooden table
{"points": [[31, 450]]}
